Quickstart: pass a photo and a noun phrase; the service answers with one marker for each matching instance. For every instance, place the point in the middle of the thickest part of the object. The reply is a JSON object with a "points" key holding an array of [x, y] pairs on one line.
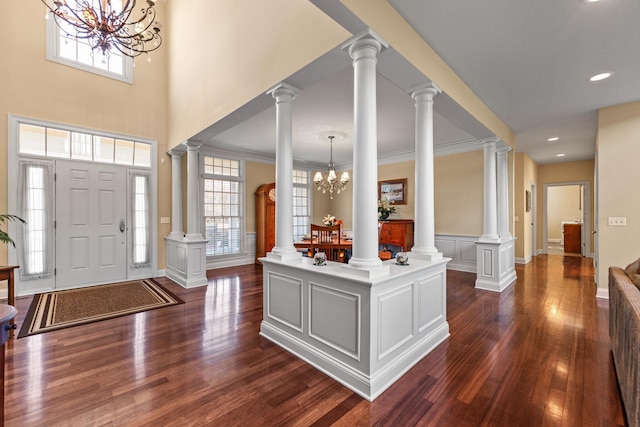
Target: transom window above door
{"points": [[66, 144]]}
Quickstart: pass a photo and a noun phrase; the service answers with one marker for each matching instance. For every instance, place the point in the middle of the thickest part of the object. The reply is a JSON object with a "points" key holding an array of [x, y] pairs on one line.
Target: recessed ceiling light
{"points": [[553, 138], [599, 77], [590, 1], [560, 155]]}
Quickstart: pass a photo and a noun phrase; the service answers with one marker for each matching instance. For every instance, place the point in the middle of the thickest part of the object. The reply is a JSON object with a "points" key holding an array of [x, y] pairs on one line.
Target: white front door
{"points": [[91, 207]]}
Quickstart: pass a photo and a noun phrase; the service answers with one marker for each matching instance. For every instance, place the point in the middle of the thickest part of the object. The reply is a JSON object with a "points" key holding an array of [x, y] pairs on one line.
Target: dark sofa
{"points": [[624, 331]]}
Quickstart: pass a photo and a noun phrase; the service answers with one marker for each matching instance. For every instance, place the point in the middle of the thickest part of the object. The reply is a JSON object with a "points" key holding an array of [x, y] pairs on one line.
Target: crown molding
{"points": [[222, 150], [441, 149], [456, 147]]}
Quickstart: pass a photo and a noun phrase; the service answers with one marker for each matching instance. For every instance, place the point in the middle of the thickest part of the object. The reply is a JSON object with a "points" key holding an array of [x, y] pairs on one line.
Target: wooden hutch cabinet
{"points": [[396, 232], [265, 219]]}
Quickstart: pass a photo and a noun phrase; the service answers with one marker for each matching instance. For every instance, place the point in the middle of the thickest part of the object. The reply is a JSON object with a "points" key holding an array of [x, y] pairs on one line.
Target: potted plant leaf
{"points": [[4, 236]]}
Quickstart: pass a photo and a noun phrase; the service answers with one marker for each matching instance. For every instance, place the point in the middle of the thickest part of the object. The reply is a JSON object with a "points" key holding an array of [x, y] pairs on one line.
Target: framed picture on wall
{"points": [[394, 190], [527, 200]]}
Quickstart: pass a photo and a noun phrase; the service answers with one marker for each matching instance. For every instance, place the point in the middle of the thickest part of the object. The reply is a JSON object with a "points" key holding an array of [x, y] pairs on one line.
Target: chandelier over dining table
{"points": [[109, 24], [330, 183]]}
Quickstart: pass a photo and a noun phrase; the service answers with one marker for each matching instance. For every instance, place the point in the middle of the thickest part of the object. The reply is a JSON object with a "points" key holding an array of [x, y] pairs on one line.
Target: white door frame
{"points": [[12, 171], [586, 214], [534, 226]]}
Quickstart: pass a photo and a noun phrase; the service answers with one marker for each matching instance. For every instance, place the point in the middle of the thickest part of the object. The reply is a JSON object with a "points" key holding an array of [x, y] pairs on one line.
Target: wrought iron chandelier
{"points": [[105, 27], [331, 183]]}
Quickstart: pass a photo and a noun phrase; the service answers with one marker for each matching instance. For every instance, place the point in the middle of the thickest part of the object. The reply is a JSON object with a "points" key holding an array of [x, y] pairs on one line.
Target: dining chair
{"points": [[326, 238]]}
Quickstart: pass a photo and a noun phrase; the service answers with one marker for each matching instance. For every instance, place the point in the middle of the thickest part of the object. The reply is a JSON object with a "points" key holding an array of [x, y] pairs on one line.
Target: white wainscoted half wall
{"points": [[461, 250], [364, 333]]}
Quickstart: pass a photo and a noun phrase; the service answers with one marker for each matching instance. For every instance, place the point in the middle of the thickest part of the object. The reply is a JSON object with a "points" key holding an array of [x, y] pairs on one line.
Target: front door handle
{"points": [[122, 227]]}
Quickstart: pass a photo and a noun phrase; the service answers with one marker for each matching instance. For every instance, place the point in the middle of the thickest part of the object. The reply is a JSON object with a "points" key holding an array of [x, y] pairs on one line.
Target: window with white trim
{"points": [[301, 204], [67, 50], [223, 213], [36, 208], [141, 236], [61, 143]]}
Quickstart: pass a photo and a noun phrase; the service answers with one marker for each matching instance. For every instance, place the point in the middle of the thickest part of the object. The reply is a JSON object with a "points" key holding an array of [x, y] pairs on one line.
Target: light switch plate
{"points": [[617, 221], [165, 220]]}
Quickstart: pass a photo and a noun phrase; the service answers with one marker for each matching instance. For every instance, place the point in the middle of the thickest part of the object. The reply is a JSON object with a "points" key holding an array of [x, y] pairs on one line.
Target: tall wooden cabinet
{"points": [[396, 232], [265, 219]]}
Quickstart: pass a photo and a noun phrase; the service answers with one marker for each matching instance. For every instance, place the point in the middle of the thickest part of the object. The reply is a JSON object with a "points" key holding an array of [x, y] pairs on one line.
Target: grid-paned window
{"points": [[301, 204], [35, 195], [63, 47], [141, 221], [66, 144], [222, 206]]}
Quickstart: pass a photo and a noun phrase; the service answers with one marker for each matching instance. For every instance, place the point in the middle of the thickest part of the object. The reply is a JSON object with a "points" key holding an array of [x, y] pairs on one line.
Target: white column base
{"points": [[284, 256], [365, 263], [176, 235], [187, 262], [489, 239], [496, 265], [506, 238], [366, 273], [193, 237], [425, 254]]}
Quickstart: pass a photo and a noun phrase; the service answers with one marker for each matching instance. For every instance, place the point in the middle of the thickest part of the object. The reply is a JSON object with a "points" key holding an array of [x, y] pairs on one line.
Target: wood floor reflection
{"points": [[538, 354]]}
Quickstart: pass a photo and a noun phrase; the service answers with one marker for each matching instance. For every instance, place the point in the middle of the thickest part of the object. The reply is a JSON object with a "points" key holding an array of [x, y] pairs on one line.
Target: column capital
{"points": [[502, 149], [428, 88], [176, 152], [283, 89], [492, 141], [366, 39], [192, 145]]}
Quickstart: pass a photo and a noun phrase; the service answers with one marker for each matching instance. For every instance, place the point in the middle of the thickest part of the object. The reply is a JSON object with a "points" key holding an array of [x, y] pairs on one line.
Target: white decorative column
{"points": [[364, 49], [284, 249], [490, 222], [367, 323], [176, 194], [495, 253], [503, 192], [193, 192], [187, 257], [424, 224]]}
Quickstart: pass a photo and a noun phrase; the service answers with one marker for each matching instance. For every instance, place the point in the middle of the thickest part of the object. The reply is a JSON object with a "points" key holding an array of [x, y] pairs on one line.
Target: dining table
{"points": [[343, 243]]}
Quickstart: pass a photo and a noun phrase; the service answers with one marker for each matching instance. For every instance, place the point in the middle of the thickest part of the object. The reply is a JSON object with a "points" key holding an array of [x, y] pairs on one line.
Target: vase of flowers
{"points": [[329, 220], [385, 208]]}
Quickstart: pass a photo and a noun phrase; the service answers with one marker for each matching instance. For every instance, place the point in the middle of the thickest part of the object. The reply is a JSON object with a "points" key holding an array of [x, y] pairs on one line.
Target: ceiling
{"points": [[530, 63]]}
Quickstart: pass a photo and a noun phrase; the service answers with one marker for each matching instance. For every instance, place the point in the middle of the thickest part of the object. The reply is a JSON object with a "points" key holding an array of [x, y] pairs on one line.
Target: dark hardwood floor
{"points": [[536, 355]]}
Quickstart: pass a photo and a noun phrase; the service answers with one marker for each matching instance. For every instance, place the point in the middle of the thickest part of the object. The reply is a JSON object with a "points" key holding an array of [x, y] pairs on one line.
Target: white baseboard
{"points": [[231, 262], [519, 260], [602, 293]]}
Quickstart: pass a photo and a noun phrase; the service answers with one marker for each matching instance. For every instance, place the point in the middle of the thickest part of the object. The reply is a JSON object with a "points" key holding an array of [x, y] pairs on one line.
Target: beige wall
{"points": [[563, 204], [558, 173], [239, 51], [459, 196], [618, 154], [33, 87], [526, 174]]}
